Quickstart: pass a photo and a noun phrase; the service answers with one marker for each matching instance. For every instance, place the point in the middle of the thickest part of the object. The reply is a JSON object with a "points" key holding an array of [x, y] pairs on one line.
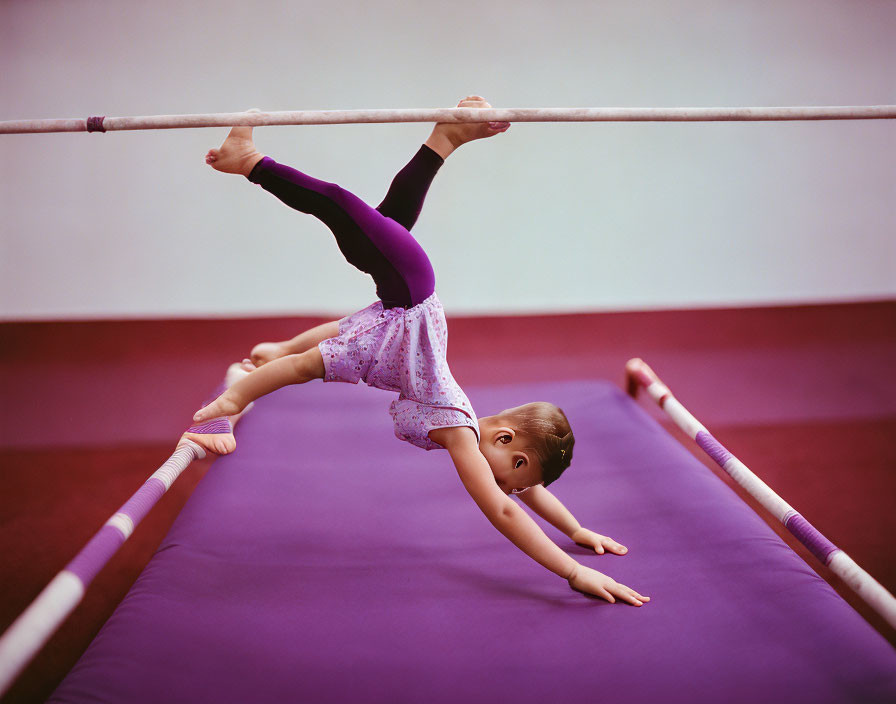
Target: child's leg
{"points": [[405, 198], [292, 369], [404, 201], [265, 352], [375, 244]]}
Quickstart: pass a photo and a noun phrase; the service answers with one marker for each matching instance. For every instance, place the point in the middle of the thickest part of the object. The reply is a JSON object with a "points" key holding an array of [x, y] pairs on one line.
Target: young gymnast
{"points": [[399, 344]]}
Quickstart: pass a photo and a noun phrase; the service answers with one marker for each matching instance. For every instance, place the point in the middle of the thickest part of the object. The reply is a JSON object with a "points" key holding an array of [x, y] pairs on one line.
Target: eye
{"points": [[504, 439]]}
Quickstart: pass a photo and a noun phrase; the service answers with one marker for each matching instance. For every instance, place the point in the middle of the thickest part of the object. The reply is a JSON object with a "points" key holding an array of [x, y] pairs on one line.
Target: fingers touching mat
{"points": [[325, 561]]}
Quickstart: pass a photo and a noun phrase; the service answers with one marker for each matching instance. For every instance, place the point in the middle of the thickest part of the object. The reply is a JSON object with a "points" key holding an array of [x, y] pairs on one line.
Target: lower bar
{"points": [[639, 374], [36, 624], [34, 627]]}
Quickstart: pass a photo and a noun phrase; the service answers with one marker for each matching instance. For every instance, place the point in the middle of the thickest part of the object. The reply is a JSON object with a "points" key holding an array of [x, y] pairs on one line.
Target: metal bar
{"points": [[36, 625], [639, 375], [334, 117]]}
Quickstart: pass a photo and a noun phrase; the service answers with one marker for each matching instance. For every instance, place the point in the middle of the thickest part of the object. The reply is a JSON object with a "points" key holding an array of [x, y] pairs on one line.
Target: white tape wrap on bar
{"points": [[757, 488], [36, 624], [658, 391], [124, 524], [186, 452], [681, 415], [864, 585], [738, 471]]}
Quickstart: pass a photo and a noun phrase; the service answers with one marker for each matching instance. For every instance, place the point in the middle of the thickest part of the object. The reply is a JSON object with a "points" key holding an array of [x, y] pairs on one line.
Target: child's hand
{"points": [[600, 543], [590, 581]]}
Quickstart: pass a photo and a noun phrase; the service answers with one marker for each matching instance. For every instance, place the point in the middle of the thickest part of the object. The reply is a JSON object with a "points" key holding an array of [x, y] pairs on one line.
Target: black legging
{"points": [[376, 241]]}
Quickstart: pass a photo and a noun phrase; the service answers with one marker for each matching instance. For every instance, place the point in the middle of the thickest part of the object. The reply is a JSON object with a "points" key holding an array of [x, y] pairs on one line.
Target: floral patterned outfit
{"points": [[402, 350]]}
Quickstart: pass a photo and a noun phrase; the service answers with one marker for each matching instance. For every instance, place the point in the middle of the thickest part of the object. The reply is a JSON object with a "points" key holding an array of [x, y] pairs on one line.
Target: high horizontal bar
{"points": [[342, 117]]}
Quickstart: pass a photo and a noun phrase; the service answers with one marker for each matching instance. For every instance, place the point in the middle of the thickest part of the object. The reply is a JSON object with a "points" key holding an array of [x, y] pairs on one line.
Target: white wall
{"points": [[543, 218]]}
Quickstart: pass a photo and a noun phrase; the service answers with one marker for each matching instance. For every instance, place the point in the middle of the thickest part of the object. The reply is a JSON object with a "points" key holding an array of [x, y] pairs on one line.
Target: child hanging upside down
{"points": [[399, 344]]}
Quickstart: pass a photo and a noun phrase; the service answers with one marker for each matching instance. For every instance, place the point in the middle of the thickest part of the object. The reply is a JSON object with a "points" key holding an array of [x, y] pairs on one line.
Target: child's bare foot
{"points": [[265, 352], [217, 436], [448, 136], [219, 443], [237, 154]]}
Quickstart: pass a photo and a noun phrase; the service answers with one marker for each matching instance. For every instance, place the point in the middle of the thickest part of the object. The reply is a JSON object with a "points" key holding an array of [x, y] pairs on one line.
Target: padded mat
{"points": [[326, 561]]}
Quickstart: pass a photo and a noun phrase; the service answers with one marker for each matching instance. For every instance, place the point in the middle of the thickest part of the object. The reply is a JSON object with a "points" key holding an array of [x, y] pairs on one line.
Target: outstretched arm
{"points": [[548, 506], [519, 528]]}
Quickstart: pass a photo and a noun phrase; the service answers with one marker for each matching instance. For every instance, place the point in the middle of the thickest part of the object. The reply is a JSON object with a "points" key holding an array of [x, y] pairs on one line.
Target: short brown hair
{"points": [[546, 431]]}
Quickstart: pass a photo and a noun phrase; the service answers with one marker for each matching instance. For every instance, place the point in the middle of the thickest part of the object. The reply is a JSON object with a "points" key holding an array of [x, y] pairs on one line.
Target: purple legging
{"points": [[376, 241]]}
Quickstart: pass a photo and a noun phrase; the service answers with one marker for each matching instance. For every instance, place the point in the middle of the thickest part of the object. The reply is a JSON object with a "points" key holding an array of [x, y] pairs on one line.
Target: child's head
{"points": [[527, 445]]}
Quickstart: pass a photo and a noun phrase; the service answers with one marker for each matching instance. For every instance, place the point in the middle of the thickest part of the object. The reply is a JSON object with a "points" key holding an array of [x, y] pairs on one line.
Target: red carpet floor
{"points": [[803, 395]]}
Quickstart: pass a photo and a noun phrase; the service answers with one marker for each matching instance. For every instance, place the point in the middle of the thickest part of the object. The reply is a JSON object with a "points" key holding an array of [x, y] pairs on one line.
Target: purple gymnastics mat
{"points": [[326, 561]]}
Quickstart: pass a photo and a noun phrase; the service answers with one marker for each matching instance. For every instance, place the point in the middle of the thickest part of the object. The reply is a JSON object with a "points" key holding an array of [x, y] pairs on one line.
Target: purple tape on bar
{"points": [[216, 425], [96, 554], [713, 448], [95, 124], [106, 543], [809, 536], [146, 497]]}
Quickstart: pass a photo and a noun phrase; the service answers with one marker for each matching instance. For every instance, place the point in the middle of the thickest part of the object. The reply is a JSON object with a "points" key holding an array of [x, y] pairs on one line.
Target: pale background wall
{"points": [[543, 218]]}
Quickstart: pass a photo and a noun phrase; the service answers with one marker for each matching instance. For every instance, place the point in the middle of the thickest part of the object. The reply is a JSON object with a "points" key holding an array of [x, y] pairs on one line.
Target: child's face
{"points": [[514, 468]]}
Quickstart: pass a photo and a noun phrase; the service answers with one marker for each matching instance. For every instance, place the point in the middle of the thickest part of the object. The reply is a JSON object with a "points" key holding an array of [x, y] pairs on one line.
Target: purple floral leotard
{"points": [[402, 350]]}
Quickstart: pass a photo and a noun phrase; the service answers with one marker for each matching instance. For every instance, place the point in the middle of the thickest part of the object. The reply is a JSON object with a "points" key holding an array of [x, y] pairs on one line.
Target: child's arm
{"points": [[548, 506], [519, 528]]}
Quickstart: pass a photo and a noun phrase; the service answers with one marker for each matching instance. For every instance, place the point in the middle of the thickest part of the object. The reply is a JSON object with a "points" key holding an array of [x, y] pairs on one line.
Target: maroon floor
{"points": [[803, 395]]}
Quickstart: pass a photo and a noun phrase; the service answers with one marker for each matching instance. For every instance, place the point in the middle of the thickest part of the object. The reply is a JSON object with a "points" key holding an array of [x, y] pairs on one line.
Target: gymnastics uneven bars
{"points": [[341, 117], [34, 626], [638, 374]]}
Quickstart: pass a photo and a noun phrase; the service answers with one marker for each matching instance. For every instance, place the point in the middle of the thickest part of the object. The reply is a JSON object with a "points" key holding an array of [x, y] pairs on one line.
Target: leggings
{"points": [[376, 241]]}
